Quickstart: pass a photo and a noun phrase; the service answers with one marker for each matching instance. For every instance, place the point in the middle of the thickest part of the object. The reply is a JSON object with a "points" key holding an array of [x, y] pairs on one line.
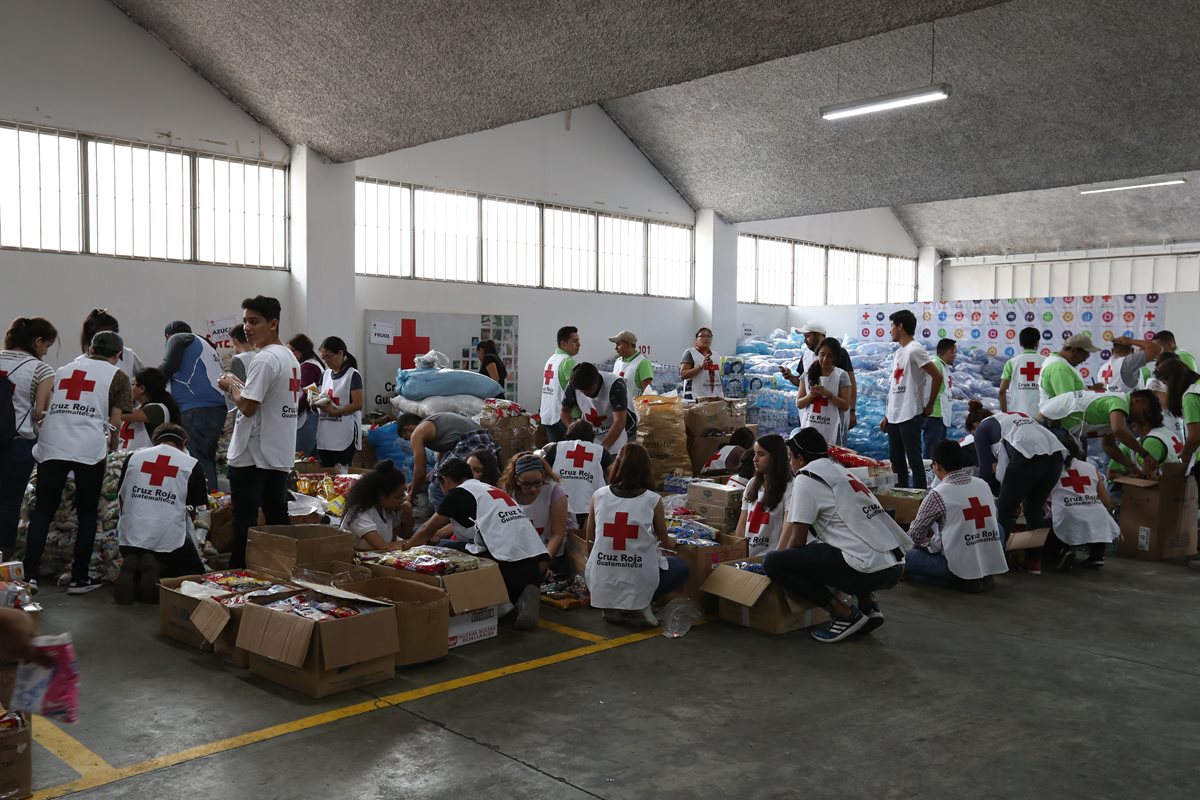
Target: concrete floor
{"points": [[1084, 685]]}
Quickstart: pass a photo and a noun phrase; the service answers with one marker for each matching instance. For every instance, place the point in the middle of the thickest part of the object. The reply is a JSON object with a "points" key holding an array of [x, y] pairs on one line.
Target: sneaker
{"points": [[528, 608], [1066, 562], [644, 617], [123, 588], [1033, 566], [85, 586], [839, 629], [147, 583], [874, 617], [1098, 562]]}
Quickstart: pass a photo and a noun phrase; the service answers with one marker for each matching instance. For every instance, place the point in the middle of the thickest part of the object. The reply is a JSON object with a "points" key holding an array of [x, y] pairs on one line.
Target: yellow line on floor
{"points": [[70, 750], [566, 630], [112, 774]]}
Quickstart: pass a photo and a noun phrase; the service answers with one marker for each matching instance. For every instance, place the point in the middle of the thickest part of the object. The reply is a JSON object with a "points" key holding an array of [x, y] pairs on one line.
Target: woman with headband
{"points": [[159, 492], [529, 480]]}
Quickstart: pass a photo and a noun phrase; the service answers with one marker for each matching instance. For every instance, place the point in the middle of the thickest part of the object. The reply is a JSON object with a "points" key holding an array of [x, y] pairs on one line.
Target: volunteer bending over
{"points": [[160, 490], [447, 434], [603, 400], [529, 480], [857, 548], [956, 533], [625, 572], [1107, 414], [768, 496], [378, 512], [1080, 518], [495, 527], [581, 464]]}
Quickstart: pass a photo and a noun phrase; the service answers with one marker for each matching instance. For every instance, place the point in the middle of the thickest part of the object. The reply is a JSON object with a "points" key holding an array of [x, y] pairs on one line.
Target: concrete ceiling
{"points": [[1045, 93], [1058, 219], [356, 78]]}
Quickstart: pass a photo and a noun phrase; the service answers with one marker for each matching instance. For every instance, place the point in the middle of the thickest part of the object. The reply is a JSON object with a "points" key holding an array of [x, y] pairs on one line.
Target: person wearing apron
{"points": [[193, 367], [311, 372], [555, 376], [340, 405], [493, 526], [1105, 414], [530, 481], [856, 547], [956, 532], [1020, 390], [913, 385], [603, 400], [155, 406], [581, 464], [160, 489], [1080, 518], [942, 415], [636, 370], [700, 369], [625, 571], [825, 392], [767, 497]]}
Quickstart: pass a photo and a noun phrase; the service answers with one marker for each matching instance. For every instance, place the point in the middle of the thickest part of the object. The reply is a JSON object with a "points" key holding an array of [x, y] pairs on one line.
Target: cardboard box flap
{"points": [[736, 585], [210, 618], [478, 588], [341, 594], [357, 639], [400, 591], [275, 635], [1131, 481]]}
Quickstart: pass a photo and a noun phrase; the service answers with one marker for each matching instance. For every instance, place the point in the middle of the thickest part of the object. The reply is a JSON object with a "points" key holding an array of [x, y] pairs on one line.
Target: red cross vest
{"points": [[134, 436], [717, 461], [153, 495], [1064, 405], [598, 411], [1076, 512], [1110, 376], [908, 385], [821, 414], [622, 570], [628, 370], [552, 391], [708, 382], [1171, 443], [75, 425], [539, 516], [1027, 436], [971, 533], [338, 433], [764, 526], [501, 527], [579, 465], [1024, 392], [858, 509]]}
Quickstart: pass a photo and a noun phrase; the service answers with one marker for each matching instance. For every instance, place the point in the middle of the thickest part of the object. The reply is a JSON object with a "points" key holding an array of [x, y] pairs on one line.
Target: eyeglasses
{"points": [[532, 484]]}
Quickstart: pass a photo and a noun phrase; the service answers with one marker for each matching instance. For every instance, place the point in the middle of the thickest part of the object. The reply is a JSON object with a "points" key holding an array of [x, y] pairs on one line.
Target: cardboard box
{"points": [[422, 616], [702, 561], [905, 506], [701, 449], [175, 610], [473, 596], [220, 530], [16, 761], [578, 550], [714, 494], [753, 601], [1158, 518], [473, 626], [321, 658], [715, 414], [278, 549], [12, 571], [1026, 540], [8, 679], [219, 625], [723, 518]]}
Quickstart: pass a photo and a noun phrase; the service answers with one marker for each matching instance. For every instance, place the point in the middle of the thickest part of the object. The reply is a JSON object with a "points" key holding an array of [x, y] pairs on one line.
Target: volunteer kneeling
{"points": [[857, 547], [625, 572], [494, 527], [956, 532], [581, 463], [768, 496], [1079, 516], [160, 487], [378, 512], [529, 480]]}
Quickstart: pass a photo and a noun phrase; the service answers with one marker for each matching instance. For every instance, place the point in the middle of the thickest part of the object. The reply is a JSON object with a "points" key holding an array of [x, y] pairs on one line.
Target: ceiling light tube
{"points": [[1172, 182], [886, 102]]}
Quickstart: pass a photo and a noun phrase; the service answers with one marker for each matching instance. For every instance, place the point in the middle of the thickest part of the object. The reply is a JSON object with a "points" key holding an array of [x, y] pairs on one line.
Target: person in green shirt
{"points": [[635, 368], [1060, 373], [1108, 415], [935, 426], [1167, 340]]}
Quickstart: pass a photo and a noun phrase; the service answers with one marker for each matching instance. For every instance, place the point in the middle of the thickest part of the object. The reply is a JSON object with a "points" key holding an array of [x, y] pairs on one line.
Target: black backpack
{"points": [[8, 414]]}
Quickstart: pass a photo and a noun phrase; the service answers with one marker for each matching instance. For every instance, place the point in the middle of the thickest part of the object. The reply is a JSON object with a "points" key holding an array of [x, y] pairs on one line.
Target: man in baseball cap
{"points": [[1060, 371], [631, 365]]}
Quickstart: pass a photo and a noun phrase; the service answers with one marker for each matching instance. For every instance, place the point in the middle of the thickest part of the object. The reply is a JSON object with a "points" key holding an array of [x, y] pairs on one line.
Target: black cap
{"points": [[178, 326]]}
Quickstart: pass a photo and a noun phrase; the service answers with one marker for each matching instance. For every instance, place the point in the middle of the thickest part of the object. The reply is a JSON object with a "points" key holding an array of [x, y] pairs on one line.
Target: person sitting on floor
{"points": [[160, 488], [529, 480], [767, 497], [1079, 517], [745, 471], [729, 455], [956, 533], [378, 512], [581, 463], [857, 547]]}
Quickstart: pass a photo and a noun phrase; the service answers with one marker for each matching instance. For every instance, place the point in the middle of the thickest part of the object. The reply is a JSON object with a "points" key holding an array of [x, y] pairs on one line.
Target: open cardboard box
{"points": [[474, 596], [905, 507], [1026, 540], [753, 601], [175, 609], [1158, 518], [702, 561], [321, 658], [219, 625], [422, 616], [278, 549], [714, 495]]}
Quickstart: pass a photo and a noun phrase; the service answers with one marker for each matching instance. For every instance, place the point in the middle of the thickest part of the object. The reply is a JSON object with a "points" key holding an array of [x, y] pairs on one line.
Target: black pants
{"points": [[904, 451], [15, 468], [810, 570], [51, 480], [1055, 547], [1028, 483], [331, 458], [251, 489], [519, 574], [183, 561]]}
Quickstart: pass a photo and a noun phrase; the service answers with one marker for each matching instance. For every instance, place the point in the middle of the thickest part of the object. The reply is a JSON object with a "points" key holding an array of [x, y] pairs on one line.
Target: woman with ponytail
{"points": [[97, 320], [340, 405], [825, 392]]}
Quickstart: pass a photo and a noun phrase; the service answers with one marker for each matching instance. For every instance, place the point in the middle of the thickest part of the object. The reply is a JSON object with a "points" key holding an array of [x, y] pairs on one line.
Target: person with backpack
{"points": [[193, 367], [26, 382]]}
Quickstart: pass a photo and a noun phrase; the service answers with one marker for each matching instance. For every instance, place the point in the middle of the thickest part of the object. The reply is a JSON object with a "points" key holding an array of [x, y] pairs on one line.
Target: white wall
{"points": [[1183, 318], [578, 158], [762, 319], [839, 321], [874, 229]]}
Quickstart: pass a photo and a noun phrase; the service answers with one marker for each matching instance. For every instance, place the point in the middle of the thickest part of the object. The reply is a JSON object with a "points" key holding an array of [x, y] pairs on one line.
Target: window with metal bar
{"points": [[39, 189], [382, 229], [622, 251], [669, 256], [774, 272], [842, 288], [512, 240], [241, 212], [569, 250], [872, 278], [747, 263], [809, 281], [446, 235], [902, 280], [139, 201]]}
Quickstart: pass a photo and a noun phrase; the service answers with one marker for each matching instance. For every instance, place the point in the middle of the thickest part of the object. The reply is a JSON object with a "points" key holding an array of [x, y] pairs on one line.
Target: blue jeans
{"points": [[904, 450], [933, 432], [15, 470], [671, 578], [204, 427], [436, 496], [927, 567], [306, 435]]}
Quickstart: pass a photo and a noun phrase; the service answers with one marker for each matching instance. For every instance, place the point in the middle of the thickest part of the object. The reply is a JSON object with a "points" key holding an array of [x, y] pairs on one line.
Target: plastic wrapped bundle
{"points": [[426, 559]]}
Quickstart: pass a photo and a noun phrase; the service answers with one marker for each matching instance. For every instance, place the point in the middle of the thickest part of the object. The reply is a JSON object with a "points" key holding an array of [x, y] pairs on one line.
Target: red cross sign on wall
{"points": [[408, 345], [620, 530]]}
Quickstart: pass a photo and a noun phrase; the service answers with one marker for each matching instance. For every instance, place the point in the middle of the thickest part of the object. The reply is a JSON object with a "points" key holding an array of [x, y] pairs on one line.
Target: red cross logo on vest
{"points": [[1076, 482], [620, 530], [757, 518], [1106, 374], [579, 456], [713, 459], [333, 398], [1030, 371], [712, 370], [294, 385], [1177, 445], [595, 417], [818, 405], [76, 385], [160, 469], [858, 487], [126, 435], [496, 494], [548, 375], [408, 345], [897, 374], [976, 512]]}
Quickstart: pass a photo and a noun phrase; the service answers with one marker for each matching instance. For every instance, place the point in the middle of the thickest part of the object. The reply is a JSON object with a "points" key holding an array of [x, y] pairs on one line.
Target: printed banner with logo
{"points": [[994, 324]]}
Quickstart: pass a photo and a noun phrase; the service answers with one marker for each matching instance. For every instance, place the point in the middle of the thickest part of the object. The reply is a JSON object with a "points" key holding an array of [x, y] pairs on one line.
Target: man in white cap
{"points": [[814, 333], [1060, 371], [635, 368]]}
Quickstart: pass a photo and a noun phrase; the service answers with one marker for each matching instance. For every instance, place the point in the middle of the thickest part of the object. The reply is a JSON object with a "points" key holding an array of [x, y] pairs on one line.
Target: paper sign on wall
{"points": [[382, 333], [218, 332]]}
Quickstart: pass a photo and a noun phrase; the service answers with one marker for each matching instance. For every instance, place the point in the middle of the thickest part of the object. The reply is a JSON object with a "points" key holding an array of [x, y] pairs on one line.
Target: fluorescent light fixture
{"points": [[886, 102], [1172, 182]]}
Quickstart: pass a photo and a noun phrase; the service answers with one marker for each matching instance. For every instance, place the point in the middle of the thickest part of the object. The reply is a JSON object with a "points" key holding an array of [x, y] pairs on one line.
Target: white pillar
{"points": [[716, 279], [322, 239], [929, 274]]}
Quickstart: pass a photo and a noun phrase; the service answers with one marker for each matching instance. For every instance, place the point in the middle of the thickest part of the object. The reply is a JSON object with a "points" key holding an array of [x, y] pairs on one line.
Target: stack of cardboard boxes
{"points": [[709, 425]]}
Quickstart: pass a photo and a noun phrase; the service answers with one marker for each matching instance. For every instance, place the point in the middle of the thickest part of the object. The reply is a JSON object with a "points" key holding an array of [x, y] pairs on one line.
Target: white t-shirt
{"points": [[268, 439], [372, 519], [908, 384], [814, 503]]}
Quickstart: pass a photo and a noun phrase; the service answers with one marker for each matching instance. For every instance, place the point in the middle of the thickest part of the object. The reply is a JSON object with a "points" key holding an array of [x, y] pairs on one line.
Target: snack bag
{"points": [[52, 692]]}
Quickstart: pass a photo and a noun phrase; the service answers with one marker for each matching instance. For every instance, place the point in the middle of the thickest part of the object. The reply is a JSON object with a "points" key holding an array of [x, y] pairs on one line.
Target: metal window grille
{"points": [[241, 212], [747, 263], [622, 254], [669, 260], [902, 280], [872, 278], [809, 281], [382, 229], [774, 272], [842, 288], [40, 189], [446, 235], [512, 238], [569, 249]]}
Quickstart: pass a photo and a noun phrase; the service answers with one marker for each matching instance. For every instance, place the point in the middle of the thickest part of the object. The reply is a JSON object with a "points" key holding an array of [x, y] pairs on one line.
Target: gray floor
{"points": [[1080, 685]]}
